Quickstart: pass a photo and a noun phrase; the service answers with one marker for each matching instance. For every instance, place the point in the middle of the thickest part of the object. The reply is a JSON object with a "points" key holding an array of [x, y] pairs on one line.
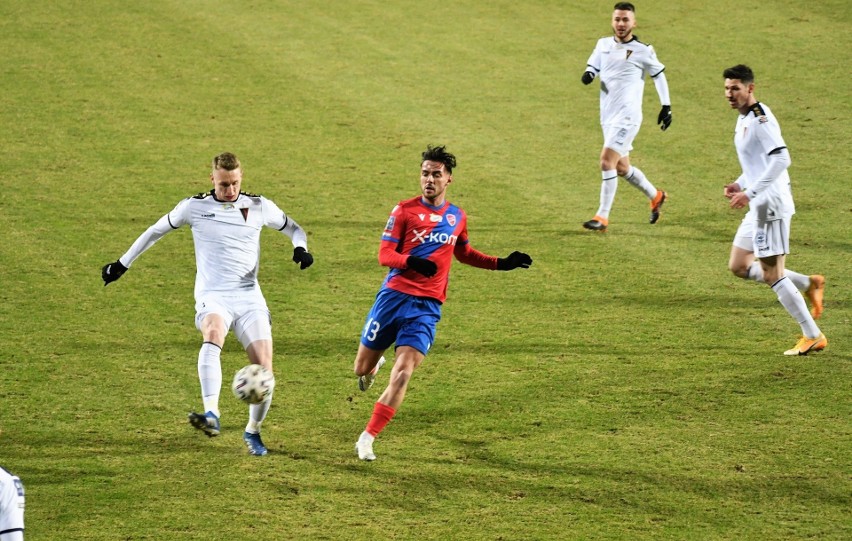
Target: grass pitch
{"points": [[624, 387]]}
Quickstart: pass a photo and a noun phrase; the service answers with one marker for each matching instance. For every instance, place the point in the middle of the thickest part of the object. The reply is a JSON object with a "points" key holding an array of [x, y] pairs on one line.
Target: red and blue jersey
{"points": [[416, 228]]}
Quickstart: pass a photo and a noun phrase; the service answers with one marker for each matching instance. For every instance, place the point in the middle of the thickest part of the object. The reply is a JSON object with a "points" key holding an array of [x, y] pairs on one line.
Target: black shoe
{"points": [[596, 224]]}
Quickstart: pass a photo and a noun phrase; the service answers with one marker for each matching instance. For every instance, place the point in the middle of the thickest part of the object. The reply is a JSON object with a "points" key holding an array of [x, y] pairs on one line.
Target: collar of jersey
{"points": [[213, 195], [427, 205]]}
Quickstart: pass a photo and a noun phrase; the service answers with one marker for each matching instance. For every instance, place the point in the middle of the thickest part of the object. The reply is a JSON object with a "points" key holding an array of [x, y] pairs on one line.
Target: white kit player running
{"points": [[621, 63], [11, 507], [765, 231], [226, 225]]}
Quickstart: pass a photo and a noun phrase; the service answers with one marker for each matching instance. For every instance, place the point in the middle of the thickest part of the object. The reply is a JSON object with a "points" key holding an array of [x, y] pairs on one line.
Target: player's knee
{"points": [[738, 270], [622, 171]]}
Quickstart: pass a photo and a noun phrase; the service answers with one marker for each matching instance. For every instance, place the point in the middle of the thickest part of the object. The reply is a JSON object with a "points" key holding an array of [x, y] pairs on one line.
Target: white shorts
{"points": [[620, 138], [244, 313], [764, 238]]}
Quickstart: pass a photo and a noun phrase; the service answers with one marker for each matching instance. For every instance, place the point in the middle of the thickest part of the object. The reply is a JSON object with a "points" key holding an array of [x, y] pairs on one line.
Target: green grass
{"points": [[625, 387]]}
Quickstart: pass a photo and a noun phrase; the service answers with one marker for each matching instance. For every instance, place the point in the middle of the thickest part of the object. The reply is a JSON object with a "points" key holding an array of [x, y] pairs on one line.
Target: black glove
{"points": [[303, 257], [423, 266], [513, 261], [112, 271], [665, 117], [588, 77]]}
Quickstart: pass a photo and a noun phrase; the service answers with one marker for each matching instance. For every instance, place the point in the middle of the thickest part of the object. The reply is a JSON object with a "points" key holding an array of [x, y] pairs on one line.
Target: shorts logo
{"points": [[451, 219], [760, 241], [620, 136]]}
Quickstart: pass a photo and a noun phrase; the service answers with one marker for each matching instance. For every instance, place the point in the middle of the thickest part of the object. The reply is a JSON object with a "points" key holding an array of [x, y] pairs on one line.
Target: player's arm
{"points": [[300, 242], [389, 257], [470, 256], [656, 70], [664, 119], [275, 218], [778, 162], [115, 270], [592, 67]]}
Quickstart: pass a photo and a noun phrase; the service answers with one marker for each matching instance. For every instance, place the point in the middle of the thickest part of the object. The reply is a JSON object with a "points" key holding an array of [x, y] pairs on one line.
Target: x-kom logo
{"points": [[425, 236]]}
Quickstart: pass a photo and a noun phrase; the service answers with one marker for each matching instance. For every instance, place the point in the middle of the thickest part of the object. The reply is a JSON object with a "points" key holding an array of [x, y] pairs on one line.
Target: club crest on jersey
{"points": [[436, 218], [433, 237], [451, 219]]}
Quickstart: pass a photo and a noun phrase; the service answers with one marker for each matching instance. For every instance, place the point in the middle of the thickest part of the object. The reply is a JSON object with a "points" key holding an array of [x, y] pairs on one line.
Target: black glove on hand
{"points": [[112, 272], [665, 117], [303, 257], [423, 266], [588, 77], [513, 261]]}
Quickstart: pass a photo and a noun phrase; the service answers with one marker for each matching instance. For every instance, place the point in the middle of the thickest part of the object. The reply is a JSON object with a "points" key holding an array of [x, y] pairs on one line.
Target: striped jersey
{"points": [[416, 228]]}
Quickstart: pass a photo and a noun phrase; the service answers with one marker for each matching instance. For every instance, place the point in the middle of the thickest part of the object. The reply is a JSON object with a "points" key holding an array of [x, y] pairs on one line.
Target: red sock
{"points": [[382, 415]]}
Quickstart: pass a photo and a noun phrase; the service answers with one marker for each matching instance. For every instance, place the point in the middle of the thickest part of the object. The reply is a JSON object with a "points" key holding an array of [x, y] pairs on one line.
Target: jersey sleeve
{"points": [[392, 237], [594, 61], [653, 66], [768, 133], [468, 255], [168, 223], [275, 218]]}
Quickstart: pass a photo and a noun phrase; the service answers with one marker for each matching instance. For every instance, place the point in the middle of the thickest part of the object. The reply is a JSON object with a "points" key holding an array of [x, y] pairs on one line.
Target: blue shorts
{"points": [[401, 318]]}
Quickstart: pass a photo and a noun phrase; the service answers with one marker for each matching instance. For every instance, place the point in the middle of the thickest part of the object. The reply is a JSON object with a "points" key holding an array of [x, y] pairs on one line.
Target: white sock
{"points": [[791, 299], [210, 374], [637, 178], [801, 281], [609, 184], [257, 413]]}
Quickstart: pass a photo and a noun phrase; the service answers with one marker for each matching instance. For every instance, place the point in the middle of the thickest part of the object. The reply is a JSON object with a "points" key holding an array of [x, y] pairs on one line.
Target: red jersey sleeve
{"points": [[466, 254]]}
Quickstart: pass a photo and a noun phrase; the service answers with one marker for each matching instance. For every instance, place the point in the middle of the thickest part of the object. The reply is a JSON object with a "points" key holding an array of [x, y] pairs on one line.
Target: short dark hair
{"points": [[741, 72], [624, 6], [226, 161], [439, 154]]}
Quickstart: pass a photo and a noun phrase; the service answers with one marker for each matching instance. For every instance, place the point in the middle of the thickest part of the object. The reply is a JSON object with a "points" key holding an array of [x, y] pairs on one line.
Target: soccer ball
{"points": [[253, 384]]}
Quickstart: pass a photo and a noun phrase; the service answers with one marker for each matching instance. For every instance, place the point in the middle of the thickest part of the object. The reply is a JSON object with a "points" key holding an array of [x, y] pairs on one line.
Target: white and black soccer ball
{"points": [[253, 384]]}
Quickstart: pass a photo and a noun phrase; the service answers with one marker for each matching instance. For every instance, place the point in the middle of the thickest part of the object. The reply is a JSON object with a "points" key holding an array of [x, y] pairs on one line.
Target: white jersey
{"points": [[226, 236], [11, 503], [621, 68], [756, 135]]}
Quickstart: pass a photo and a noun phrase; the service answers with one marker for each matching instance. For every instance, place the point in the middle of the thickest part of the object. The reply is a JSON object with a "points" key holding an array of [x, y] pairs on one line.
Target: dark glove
{"points": [[303, 257], [112, 272], [588, 77], [513, 261], [665, 117], [423, 266]]}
